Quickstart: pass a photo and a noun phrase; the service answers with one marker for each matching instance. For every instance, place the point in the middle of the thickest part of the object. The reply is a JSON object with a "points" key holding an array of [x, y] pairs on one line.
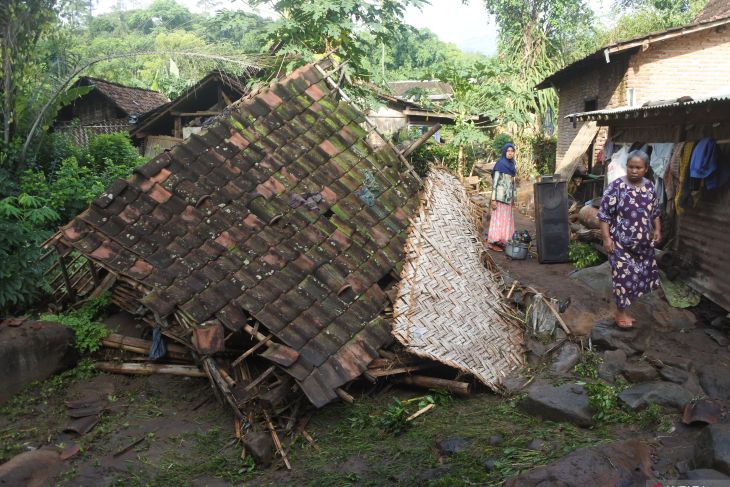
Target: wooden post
{"points": [[62, 261], [178, 128]]}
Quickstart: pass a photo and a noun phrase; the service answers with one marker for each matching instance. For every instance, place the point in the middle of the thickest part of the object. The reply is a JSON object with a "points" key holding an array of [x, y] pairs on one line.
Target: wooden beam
{"points": [[421, 140], [178, 128], [202, 113], [149, 369]]}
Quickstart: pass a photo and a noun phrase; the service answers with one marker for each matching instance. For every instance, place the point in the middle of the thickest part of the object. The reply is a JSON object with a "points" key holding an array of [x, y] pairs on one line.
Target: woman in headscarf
{"points": [[502, 222], [631, 227]]}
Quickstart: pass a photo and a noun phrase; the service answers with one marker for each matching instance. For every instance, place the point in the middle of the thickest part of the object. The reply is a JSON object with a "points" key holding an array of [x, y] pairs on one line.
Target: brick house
{"points": [[688, 61]]}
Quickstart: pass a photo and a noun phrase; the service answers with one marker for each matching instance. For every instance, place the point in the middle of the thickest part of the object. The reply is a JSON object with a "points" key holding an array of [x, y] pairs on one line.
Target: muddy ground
{"points": [[159, 431]]}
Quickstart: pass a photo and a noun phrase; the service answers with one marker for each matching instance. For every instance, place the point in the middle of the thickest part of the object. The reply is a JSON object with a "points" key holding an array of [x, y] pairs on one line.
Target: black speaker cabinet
{"points": [[551, 220]]}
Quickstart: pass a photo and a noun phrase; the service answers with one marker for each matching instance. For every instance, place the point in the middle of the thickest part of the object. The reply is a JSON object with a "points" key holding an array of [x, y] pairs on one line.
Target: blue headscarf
{"points": [[504, 165]]}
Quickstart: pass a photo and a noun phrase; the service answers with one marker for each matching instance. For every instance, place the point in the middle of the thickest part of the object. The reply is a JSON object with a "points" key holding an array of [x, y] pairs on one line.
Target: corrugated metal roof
{"points": [[649, 106]]}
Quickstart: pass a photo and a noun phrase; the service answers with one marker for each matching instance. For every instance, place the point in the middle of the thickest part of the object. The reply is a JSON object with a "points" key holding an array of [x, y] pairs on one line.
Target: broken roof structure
{"points": [[280, 224], [281, 212]]}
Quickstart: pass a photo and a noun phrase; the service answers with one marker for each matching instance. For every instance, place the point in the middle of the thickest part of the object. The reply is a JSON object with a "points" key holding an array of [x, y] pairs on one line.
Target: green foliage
{"points": [[640, 17], [543, 150], [583, 255], [431, 152], [21, 274], [499, 141], [603, 399], [588, 365], [107, 150], [84, 322]]}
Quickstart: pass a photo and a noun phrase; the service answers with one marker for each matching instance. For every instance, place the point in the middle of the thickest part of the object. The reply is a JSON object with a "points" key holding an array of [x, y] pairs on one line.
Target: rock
{"points": [[673, 374], [560, 334], [568, 402], [715, 381], [513, 383], [712, 449], [607, 336], [33, 351], [663, 393], [693, 385], [720, 322], [637, 372], [717, 336], [35, 468], [536, 444], [535, 352], [449, 446], [565, 359], [612, 365], [489, 464], [261, 447], [495, 440], [622, 463], [682, 466], [704, 474]]}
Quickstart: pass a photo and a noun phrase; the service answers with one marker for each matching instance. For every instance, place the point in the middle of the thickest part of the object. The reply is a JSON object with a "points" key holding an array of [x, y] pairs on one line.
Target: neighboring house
{"points": [[107, 108], [400, 110], [693, 60], [169, 124], [667, 87]]}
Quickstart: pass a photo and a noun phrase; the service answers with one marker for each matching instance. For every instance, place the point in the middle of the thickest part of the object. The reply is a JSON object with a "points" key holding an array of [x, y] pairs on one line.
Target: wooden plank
{"points": [[149, 369], [398, 370]]}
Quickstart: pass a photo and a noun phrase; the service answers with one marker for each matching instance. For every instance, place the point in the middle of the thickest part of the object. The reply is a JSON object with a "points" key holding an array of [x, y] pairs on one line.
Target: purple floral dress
{"points": [[629, 212]]}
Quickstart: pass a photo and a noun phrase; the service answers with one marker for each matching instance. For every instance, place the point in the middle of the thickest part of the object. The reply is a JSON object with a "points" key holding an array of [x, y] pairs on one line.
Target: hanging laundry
{"points": [[671, 176], [617, 167], [660, 153], [683, 194]]}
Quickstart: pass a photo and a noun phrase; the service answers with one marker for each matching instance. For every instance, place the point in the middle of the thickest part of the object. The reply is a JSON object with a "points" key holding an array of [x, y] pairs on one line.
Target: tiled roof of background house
{"points": [[715, 9], [281, 211], [133, 101], [432, 88]]}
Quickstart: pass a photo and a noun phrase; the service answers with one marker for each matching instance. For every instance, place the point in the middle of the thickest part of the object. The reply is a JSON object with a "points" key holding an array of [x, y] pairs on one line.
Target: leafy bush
{"points": [[431, 152], [588, 365], [107, 150], [499, 141], [583, 255], [84, 322], [543, 153], [21, 272], [603, 399]]}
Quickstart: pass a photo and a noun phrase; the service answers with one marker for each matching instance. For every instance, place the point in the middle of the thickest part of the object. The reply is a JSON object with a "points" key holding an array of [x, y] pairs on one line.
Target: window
{"points": [[590, 105]]}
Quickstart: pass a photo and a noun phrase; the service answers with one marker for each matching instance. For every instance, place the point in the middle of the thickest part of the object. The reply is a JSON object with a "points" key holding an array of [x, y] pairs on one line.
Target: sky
{"points": [[469, 26]]}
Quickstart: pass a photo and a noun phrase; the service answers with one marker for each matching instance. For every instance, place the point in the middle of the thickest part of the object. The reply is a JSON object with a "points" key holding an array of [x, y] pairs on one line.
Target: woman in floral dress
{"points": [[502, 222], [631, 227]]}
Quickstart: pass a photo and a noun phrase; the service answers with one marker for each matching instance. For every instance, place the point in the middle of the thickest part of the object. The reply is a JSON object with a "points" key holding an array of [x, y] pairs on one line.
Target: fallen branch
{"points": [[459, 388], [345, 396], [275, 437], [149, 369], [557, 316], [420, 412], [399, 370]]}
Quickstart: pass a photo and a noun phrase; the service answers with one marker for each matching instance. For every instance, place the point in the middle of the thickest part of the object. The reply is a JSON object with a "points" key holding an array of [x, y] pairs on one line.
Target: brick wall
{"points": [[695, 65]]}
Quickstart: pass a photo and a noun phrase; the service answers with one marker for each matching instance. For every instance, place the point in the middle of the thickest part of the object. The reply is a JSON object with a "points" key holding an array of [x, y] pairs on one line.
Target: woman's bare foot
{"points": [[623, 320], [494, 247]]}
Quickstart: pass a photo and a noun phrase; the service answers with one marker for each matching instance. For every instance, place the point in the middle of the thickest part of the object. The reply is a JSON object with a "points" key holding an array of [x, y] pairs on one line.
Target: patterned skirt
{"points": [[501, 224]]}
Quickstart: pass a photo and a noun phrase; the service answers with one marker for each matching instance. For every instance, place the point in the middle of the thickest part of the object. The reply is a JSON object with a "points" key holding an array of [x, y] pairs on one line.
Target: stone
{"points": [[673, 374], [720, 322], [718, 336], [704, 474], [612, 365], [489, 464], [712, 448], [535, 352], [495, 440], [665, 394], [33, 351], [621, 463], [560, 334], [536, 444], [261, 447], [450, 446], [715, 381], [606, 335], [513, 383], [568, 402], [637, 372], [35, 468], [565, 358]]}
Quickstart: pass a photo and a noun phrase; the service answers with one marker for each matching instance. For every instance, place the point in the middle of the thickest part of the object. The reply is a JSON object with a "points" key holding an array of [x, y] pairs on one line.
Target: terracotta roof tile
{"points": [[211, 226]]}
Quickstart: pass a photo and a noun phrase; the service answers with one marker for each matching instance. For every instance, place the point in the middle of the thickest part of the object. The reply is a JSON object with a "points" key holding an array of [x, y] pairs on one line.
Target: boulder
{"points": [[718, 336], [715, 381], [612, 365], [637, 372], [568, 402], [450, 446], [704, 474], [35, 468], [712, 449], [261, 447], [621, 463], [674, 374], [665, 394], [606, 335], [33, 351], [565, 358]]}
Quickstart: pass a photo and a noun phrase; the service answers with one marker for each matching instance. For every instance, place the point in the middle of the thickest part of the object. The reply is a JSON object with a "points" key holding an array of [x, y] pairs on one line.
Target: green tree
{"points": [[310, 28], [636, 18]]}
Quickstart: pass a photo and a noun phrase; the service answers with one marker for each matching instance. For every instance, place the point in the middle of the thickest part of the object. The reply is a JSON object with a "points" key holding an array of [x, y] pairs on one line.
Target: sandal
{"points": [[494, 247], [625, 323]]}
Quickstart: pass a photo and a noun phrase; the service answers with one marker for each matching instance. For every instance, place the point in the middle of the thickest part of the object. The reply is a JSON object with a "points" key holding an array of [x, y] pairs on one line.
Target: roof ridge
{"points": [[121, 85]]}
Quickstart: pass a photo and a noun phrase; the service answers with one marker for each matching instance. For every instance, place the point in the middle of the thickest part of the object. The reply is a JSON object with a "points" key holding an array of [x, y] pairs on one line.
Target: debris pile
{"points": [[265, 254]]}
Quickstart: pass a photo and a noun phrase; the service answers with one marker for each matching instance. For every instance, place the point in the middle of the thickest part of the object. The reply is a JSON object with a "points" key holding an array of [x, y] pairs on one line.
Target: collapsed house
{"points": [[279, 232]]}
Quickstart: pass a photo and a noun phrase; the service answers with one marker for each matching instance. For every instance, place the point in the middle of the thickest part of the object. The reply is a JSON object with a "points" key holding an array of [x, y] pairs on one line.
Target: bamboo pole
{"points": [[149, 369], [460, 388]]}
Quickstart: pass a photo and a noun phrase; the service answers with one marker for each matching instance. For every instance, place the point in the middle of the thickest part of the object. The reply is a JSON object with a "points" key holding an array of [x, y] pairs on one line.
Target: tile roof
{"points": [[714, 9], [216, 227], [133, 101], [433, 88]]}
